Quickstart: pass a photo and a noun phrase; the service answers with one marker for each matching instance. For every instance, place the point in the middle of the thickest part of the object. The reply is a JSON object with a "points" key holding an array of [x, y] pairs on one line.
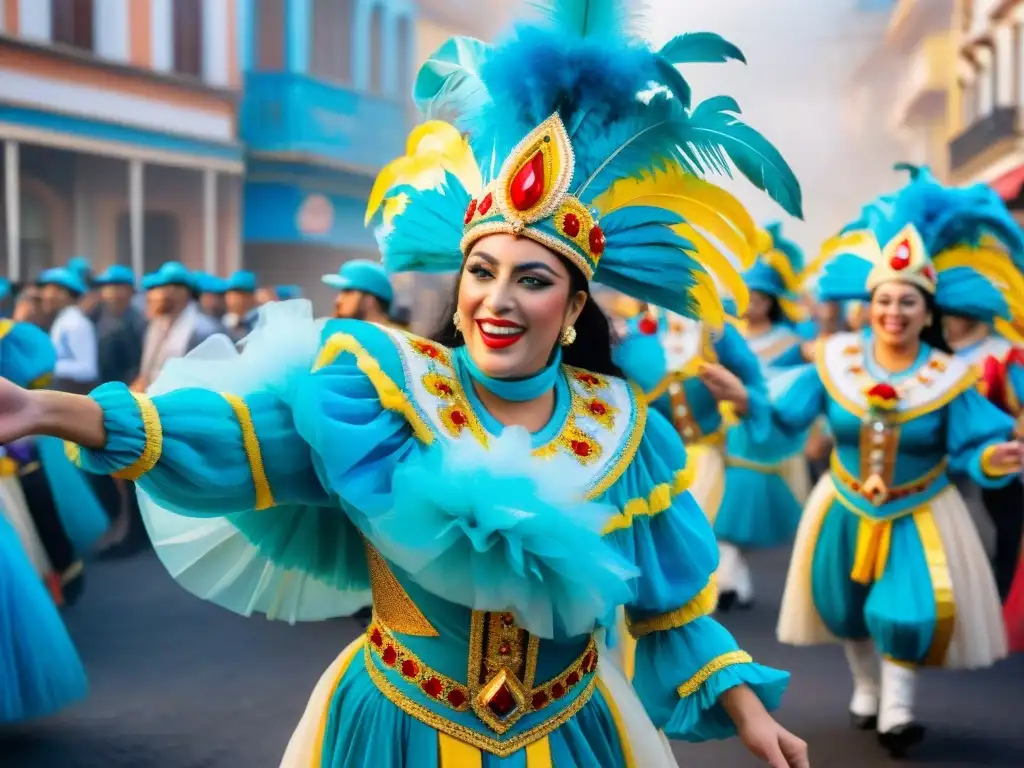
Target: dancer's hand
{"points": [[18, 414], [1007, 458], [724, 385], [760, 734]]}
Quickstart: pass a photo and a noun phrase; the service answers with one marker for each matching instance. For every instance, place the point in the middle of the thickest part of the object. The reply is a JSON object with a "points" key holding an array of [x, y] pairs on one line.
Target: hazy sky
{"points": [[797, 89]]}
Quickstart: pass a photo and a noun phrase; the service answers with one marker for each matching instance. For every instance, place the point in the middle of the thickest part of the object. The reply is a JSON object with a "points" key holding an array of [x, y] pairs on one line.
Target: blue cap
{"points": [[286, 292], [207, 283], [171, 273], [362, 275], [5, 287], [116, 274], [65, 278], [27, 356], [79, 264], [242, 280]]}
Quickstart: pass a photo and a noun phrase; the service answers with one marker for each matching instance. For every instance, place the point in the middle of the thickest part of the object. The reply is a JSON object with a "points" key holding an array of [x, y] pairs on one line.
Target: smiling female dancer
{"points": [[887, 559], [499, 489]]}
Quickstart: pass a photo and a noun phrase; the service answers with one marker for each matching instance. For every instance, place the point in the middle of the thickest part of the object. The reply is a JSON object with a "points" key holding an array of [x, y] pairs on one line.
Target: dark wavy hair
{"points": [[931, 335], [592, 350], [775, 313]]}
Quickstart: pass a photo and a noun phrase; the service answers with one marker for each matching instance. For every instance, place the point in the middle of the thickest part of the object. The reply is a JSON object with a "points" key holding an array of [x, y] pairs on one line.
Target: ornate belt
{"points": [[877, 492], [500, 688]]}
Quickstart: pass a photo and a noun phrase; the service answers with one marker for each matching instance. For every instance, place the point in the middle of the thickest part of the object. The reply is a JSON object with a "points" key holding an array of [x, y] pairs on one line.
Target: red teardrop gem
{"points": [[573, 678], [410, 668], [458, 418], [470, 211], [580, 448], [485, 204], [571, 224], [901, 259], [527, 186], [390, 656], [558, 690], [376, 638], [539, 699], [597, 242]]}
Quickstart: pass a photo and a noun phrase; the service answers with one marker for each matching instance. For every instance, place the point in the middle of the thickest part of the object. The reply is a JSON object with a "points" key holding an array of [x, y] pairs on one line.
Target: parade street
{"points": [[179, 683]]}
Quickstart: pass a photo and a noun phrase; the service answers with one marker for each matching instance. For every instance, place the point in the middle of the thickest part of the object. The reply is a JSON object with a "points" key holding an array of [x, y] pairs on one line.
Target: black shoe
{"points": [[863, 722], [901, 738], [726, 600]]}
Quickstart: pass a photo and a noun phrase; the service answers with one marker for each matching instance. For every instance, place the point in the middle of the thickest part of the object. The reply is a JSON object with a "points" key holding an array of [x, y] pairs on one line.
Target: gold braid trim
{"points": [[659, 500], [469, 735], [251, 442], [717, 664], [391, 397], [701, 605], [154, 441]]}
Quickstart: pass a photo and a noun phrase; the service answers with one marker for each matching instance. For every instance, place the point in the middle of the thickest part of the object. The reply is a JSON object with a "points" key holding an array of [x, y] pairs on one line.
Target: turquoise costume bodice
{"points": [[493, 556], [665, 365], [896, 436], [777, 348]]}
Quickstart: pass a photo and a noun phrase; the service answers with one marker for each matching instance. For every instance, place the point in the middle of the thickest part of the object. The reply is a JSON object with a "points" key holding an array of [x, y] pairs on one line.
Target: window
{"points": [[270, 36], [160, 239], [188, 37], [331, 36], [377, 50], [71, 23]]}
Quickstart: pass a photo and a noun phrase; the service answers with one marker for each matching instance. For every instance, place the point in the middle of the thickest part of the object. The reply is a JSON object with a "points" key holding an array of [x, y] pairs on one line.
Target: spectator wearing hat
{"points": [[72, 333], [364, 291], [242, 308], [177, 326], [90, 301], [211, 294], [120, 328], [287, 292], [28, 306]]}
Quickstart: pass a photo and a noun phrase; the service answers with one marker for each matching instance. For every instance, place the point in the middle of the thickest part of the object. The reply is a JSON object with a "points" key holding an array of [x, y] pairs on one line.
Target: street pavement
{"points": [[179, 683]]}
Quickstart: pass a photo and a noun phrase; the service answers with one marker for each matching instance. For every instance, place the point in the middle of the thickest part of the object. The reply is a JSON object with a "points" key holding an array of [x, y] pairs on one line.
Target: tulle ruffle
{"points": [[475, 527]]}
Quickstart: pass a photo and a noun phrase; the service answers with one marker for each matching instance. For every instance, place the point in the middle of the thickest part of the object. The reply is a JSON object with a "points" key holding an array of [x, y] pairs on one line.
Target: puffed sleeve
{"points": [[735, 355], [685, 660], [798, 398], [974, 427], [641, 357]]}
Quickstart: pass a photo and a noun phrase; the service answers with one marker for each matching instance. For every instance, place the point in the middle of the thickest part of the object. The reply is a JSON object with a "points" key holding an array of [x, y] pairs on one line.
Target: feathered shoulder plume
{"points": [[586, 139]]}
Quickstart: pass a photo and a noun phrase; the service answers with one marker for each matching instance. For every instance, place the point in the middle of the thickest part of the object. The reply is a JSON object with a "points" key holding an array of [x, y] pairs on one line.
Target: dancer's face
{"points": [[759, 307], [515, 298], [898, 313]]}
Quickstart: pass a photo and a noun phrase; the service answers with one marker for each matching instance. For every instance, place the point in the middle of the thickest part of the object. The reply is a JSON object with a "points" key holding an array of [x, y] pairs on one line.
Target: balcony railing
{"points": [[294, 114], [997, 125]]}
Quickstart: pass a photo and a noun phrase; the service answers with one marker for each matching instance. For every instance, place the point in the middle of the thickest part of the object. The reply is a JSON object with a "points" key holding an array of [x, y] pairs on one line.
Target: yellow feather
{"points": [[431, 149], [995, 265], [718, 265], [762, 241], [676, 181], [1009, 331], [394, 206], [709, 302], [778, 261]]}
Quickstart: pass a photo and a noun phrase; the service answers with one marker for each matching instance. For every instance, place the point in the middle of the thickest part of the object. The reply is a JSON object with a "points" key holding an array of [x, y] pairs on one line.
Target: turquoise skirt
{"points": [[40, 671], [758, 510], [351, 723]]}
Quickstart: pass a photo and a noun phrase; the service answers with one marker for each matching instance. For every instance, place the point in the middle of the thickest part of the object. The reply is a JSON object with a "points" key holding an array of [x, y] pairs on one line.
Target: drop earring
{"points": [[457, 321], [568, 336]]}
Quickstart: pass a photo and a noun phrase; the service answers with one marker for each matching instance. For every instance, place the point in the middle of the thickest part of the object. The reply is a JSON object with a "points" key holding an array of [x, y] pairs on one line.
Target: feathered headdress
{"points": [[575, 133], [777, 270], [959, 244]]}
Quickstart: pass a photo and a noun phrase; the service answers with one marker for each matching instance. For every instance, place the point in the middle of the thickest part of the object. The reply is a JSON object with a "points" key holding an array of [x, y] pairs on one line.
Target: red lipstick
{"points": [[499, 334]]}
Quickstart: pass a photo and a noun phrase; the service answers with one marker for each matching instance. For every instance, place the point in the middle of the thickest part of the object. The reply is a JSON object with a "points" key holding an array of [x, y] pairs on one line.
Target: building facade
{"points": [[118, 120], [987, 142]]}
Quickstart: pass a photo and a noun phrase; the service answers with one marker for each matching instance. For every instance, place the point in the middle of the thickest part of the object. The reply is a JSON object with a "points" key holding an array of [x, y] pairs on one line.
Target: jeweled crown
{"points": [[530, 198], [904, 259]]}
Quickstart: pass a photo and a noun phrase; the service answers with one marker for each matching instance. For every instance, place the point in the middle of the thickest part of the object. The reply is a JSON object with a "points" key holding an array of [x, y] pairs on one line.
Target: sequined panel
{"points": [[391, 603]]}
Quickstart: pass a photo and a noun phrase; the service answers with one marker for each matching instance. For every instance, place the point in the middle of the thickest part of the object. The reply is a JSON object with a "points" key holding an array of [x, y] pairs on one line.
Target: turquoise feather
{"points": [[449, 81], [590, 18], [700, 48]]}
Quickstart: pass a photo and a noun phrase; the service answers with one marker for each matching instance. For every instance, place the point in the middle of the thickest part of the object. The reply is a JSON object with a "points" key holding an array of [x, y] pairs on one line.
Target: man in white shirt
{"points": [[72, 333]]}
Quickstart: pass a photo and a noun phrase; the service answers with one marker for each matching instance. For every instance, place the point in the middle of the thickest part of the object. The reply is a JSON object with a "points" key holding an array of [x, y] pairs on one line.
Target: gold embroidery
{"points": [[845, 478], [701, 676], [73, 452], [396, 656], [471, 736], [154, 441], [391, 603], [701, 605], [391, 397], [251, 443]]}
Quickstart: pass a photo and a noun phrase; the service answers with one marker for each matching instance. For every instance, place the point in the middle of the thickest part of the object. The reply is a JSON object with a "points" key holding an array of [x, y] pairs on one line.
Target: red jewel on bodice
{"points": [[901, 259], [502, 702], [598, 409], [647, 325], [527, 185]]}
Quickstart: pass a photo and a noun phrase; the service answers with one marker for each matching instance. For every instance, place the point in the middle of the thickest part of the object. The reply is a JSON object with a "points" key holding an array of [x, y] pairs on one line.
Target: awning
{"points": [[1008, 186]]}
